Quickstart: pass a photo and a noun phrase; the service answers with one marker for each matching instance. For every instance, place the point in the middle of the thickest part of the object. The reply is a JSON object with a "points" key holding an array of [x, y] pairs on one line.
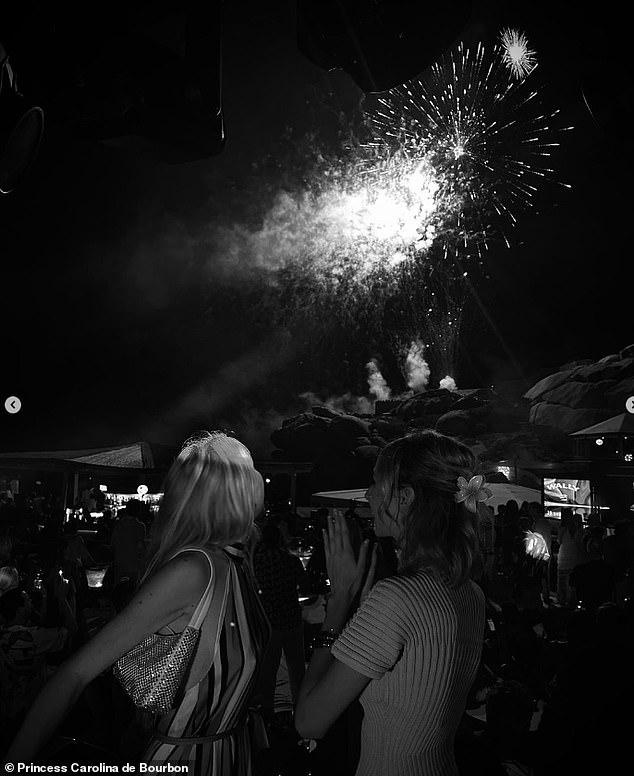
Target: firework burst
{"points": [[376, 241], [486, 136], [518, 57]]}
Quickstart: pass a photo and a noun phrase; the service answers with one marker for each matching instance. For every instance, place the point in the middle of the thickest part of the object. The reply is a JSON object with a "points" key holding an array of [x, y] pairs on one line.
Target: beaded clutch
{"points": [[152, 673]]}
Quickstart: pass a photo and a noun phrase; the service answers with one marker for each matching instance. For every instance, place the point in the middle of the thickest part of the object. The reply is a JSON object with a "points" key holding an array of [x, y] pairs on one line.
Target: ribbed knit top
{"points": [[420, 641]]}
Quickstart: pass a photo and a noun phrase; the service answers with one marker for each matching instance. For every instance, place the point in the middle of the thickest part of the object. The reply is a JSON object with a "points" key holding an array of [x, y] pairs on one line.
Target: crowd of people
{"points": [[444, 638]]}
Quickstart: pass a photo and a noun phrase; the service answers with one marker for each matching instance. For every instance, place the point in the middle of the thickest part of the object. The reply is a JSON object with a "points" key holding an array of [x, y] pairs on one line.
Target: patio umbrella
{"points": [[501, 492]]}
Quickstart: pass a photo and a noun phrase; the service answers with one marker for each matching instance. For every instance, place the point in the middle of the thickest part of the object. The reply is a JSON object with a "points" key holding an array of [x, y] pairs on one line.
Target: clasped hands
{"points": [[346, 572]]}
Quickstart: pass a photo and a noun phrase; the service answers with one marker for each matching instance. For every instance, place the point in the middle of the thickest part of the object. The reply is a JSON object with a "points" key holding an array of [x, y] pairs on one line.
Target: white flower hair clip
{"points": [[471, 492]]}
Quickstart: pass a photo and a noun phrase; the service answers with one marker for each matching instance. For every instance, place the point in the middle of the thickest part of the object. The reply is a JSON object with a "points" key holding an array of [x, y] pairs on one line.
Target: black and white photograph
{"points": [[316, 388]]}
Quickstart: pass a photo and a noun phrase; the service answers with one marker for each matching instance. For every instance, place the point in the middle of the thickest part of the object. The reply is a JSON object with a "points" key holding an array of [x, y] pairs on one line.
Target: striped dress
{"points": [[420, 642], [220, 700]]}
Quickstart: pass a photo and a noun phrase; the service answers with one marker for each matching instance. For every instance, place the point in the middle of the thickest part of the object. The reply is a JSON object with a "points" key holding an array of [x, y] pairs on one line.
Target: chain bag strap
{"points": [[152, 672]]}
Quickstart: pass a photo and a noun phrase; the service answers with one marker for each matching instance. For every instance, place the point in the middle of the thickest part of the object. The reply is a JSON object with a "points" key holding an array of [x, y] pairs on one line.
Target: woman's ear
{"points": [[406, 496]]}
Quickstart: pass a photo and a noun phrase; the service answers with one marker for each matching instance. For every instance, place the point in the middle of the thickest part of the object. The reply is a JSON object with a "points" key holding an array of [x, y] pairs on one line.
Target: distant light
{"points": [[103, 488], [598, 441], [267, 480], [142, 490], [505, 470], [628, 457]]}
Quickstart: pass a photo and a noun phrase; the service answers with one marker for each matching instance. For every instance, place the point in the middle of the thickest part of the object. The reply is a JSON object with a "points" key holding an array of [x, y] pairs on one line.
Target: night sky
{"points": [[121, 322]]}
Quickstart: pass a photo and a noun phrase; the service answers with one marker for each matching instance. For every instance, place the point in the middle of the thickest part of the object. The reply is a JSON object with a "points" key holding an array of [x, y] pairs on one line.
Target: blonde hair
{"points": [[213, 494], [437, 533]]}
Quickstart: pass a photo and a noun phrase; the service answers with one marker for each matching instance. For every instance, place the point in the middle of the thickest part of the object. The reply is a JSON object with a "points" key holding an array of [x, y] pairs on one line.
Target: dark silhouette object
{"points": [[505, 745], [128, 543], [380, 44], [594, 580], [279, 575]]}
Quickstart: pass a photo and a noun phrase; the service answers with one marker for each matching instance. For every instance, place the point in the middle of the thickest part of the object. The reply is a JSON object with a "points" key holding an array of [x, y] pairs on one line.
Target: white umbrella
{"points": [[501, 492], [340, 498]]}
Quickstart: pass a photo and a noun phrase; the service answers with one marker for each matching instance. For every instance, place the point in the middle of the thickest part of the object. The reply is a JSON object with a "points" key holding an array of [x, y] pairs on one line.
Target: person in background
{"points": [[542, 526], [77, 559], [506, 745], [531, 565], [128, 544], [280, 575], [511, 530], [487, 540], [569, 555], [412, 650], [75, 550], [618, 551], [594, 580], [27, 647], [104, 528], [316, 567], [499, 528], [59, 590], [282, 521]]}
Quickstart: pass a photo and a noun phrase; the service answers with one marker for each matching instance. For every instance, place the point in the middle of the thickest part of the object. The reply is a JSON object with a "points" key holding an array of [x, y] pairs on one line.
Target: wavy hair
{"points": [[9, 579], [437, 533], [213, 493]]}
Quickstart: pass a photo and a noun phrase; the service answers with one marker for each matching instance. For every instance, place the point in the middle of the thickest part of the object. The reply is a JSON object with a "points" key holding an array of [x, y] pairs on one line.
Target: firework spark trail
{"points": [[484, 132], [518, 57]]}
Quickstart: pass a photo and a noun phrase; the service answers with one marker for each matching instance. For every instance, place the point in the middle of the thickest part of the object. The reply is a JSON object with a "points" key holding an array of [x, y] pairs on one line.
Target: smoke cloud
{"points": [[214, 396], [378, 384], [345, 403], [416, 368], [449, 383]]}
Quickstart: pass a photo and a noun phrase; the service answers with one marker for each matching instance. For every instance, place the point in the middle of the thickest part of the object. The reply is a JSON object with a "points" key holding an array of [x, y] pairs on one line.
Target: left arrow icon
{"points": [[12, 405]]}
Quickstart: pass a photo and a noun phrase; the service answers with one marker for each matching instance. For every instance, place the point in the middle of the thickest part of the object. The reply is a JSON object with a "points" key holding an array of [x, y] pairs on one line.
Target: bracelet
{"points": [[325, 638]]}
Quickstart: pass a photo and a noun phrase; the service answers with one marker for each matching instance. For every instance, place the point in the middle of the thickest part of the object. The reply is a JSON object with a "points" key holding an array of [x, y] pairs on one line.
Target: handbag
{"points": [[152, 673]]}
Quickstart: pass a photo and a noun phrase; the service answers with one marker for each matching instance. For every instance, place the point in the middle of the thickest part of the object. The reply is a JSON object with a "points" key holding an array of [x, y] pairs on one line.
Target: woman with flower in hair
{"points": [[212, 496], [412, 650]]}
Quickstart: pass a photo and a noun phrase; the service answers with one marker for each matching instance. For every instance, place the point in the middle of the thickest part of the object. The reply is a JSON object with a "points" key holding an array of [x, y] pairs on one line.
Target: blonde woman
{"points": [[213, 494], [412, 650]]}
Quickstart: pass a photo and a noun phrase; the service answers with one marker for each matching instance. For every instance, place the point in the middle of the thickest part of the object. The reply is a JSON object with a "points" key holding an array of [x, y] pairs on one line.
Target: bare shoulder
{"points": [[190, 570], [167, 595]]}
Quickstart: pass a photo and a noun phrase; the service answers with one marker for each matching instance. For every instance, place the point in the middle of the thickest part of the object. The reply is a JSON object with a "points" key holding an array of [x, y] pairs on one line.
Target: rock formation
{"points": [[344, 446], [583, 393]]}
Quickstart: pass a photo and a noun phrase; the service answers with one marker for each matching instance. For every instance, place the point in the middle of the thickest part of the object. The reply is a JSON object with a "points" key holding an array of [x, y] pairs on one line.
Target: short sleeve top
{"points": [[420, 641]]}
